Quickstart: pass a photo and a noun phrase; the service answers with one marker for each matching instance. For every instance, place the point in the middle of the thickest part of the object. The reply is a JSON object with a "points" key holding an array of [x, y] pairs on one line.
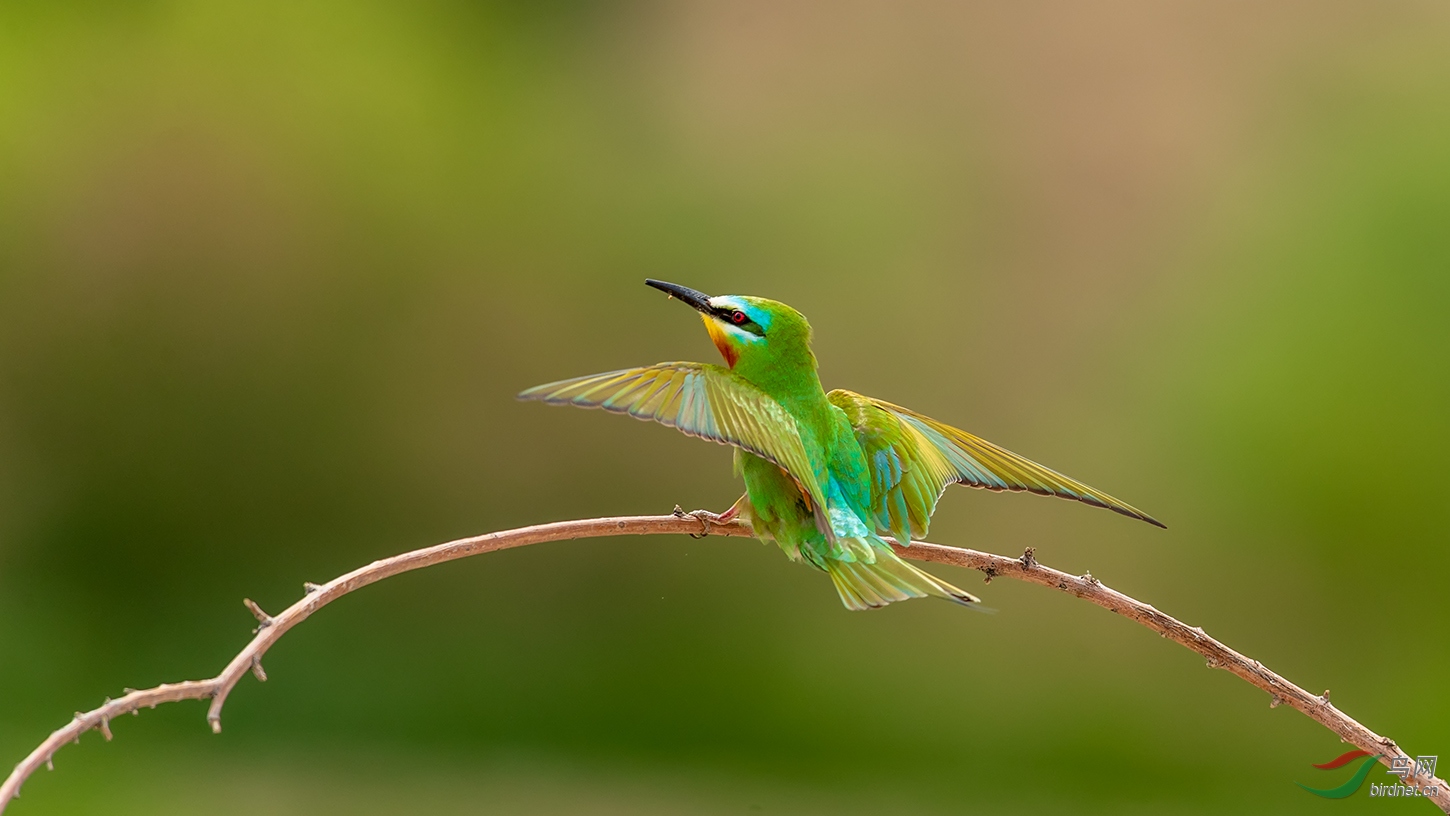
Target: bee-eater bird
{"points": [[826, 475]]}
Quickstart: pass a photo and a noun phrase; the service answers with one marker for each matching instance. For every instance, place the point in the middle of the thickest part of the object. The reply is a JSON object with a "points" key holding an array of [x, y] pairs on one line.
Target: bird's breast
{"points": [[722, 341]]}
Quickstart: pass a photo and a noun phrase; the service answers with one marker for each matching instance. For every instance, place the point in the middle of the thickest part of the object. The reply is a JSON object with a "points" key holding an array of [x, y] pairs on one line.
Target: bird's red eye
{"points": [[737, 317]]}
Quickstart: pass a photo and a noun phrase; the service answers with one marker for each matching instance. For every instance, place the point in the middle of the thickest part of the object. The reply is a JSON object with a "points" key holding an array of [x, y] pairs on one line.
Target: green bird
{"points": [[827, 476]]}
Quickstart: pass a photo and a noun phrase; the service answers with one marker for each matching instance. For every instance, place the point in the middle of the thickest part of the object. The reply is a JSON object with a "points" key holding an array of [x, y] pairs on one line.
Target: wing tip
{"points": [[1135, 513], [548, 398], [1083, 498]]}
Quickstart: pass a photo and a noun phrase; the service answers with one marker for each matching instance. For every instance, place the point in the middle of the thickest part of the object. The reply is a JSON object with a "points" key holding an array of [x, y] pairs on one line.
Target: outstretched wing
{"points": [[700, 400], [913, 458]]}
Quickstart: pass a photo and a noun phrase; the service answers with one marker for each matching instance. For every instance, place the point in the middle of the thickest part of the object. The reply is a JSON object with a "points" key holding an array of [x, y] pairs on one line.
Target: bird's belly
{"points": [[778, 508]]}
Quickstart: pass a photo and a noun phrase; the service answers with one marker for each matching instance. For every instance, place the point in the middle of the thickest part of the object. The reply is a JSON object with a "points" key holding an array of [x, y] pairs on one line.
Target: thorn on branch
{"points": [[1275, 700], [678, 512], [308, 587], [50, 762], [1214, 663], [1029, 558], [105, 722], [1087, 577], [1324, 698], [988, 574], [262, 617], [257, 670]]}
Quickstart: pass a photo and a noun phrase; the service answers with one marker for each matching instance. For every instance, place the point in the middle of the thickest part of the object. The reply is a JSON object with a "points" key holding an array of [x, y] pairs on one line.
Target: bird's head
{"points": [[752, 333]]}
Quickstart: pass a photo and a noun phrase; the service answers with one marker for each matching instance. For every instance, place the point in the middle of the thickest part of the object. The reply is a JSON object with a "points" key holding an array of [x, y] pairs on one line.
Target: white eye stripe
{"points": [[741, 334]]}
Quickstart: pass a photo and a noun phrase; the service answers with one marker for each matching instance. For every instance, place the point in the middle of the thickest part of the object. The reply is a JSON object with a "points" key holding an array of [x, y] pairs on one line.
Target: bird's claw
{"points": [[706, 519]]}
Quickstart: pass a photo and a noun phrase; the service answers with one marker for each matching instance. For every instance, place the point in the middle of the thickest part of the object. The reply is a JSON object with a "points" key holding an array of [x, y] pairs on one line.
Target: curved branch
{"points": [[270, 629], [1281, 691]]}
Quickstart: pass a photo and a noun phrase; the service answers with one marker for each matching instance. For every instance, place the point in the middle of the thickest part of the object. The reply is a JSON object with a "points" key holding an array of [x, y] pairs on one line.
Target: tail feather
{"points": [[888, 580]]}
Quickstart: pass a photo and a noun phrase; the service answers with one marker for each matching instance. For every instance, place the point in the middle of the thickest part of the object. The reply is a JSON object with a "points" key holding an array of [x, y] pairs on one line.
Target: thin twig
{"points": [[1025, 568]]}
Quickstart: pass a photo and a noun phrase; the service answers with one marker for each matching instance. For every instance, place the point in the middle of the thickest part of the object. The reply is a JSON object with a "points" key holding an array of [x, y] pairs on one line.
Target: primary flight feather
{"points": [[826, 475]]}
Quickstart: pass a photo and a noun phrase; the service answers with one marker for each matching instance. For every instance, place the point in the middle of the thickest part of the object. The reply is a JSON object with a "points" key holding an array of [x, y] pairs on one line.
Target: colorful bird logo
{"points": [[1350, 785]]}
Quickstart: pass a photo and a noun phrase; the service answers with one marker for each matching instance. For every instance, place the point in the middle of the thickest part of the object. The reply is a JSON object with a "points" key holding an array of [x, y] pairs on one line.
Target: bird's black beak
{"points": [[699, 300]]}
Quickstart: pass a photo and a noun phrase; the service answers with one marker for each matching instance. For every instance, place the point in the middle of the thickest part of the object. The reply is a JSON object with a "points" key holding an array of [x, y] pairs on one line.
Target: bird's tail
{"points": [[888, 580]]}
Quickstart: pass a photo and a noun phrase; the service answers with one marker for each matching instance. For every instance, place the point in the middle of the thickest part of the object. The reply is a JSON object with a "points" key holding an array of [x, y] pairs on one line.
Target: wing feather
{"points": [[699, 400], [913, 458]]}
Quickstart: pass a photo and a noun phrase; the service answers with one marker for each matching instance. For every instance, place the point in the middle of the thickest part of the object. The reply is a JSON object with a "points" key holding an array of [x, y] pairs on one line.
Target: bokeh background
{"points": [[271, 274]]}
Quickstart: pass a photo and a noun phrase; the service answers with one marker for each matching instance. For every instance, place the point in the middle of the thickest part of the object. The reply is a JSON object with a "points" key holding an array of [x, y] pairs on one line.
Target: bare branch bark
{"points": [[1025, 568]]}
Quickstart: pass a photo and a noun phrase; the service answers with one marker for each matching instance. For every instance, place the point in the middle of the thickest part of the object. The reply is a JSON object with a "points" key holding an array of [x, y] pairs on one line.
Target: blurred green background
{"points": [[271, 274]]}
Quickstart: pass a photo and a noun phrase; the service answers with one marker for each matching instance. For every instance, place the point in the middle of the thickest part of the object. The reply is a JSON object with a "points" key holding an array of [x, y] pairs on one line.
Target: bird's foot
{"points": [[707, 518]]}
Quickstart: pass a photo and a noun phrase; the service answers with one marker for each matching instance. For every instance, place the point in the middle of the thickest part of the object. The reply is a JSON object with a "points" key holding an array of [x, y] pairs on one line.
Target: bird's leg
{"points": [[707, 518]]}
